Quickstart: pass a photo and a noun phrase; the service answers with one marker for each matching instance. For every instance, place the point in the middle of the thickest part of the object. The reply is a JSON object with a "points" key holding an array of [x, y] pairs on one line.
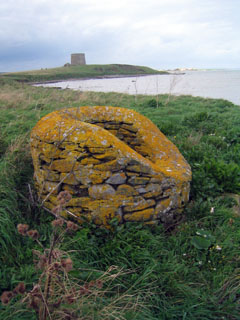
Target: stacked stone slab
{"points": [[114, 162]]}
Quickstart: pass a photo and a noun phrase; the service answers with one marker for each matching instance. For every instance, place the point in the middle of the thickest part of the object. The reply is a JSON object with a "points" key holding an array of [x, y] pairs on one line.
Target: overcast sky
{"points": [[161, 34]]}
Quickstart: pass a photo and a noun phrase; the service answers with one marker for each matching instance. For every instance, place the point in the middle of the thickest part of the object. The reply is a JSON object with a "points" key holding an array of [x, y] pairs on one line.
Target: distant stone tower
{"points": [[78, 59]]}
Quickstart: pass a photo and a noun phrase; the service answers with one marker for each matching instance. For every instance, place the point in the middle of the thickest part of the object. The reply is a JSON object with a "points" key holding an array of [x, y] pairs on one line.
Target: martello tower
{"points": [[78, 59]]}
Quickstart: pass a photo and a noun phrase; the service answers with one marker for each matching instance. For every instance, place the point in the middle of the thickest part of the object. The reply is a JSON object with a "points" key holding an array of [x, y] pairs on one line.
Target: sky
{"points": [[162, 34]]}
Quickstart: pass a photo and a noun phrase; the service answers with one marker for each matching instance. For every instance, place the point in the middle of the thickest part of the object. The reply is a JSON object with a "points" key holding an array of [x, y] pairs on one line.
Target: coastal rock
{"points": [[113, 161]]}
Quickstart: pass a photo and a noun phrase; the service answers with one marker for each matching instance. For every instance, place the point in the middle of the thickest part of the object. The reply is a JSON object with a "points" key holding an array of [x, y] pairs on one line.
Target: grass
{"points": [[191, 270], [81, 71]]}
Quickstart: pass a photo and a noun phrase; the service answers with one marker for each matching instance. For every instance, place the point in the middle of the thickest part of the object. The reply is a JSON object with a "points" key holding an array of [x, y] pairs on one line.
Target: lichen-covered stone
{"points": [[138, 180], [113, 161], [50, 187], [151, 190], [64, 165], [117, 178], [139, 204], [141, 216], [101, 191], [125, 189]]}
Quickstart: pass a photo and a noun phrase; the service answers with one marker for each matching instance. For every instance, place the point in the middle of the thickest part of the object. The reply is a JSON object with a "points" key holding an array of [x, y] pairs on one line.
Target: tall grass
{"points": [[178, 272]]}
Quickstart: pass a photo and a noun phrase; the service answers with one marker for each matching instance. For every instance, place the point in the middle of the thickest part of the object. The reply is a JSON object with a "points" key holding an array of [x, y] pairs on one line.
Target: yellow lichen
{"points": [[143, 215]]}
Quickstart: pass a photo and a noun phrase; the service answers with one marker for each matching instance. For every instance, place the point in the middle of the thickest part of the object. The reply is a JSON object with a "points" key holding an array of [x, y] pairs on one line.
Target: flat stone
{"points": [[64, 165], [140, 189], [101, 191], [82, 176], [132, 174], [140, 216], [51, 187], [45, 159], [69, 178], [109, 166], [49, 150], [153, 190], [143, 151], [127, 190], [133, 162], [135, 142], [97, 177], [87, 176], [82, 202], [114, 132], [72, 154], [139, 168], [97, 150], [90, 160], [114, 126], [129, 127], [117, 178], [140, 204], [126, 133], [107, 156], [138, 180], [163, 207], [69, 188], [99, 124]]}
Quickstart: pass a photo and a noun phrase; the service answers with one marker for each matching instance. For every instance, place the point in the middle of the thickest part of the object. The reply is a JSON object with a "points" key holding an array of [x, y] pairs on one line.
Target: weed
{"points": [[57, 294]]}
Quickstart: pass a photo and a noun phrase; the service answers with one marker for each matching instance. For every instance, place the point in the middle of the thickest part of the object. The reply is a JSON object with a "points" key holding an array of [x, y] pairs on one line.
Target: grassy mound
{"points": [[187, 271], [82, 71]]}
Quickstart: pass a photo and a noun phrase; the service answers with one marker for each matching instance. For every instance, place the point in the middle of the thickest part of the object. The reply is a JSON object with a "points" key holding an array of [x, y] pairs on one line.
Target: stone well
{"points": [[114, 162]]}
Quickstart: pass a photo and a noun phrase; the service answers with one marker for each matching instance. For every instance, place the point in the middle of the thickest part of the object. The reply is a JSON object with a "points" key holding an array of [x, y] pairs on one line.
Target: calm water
{"points": [[223, 84]]}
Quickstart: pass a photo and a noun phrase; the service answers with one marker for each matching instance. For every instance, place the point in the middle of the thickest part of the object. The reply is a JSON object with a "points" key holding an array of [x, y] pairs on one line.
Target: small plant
{"points": [[152, 103], [203, 239]]}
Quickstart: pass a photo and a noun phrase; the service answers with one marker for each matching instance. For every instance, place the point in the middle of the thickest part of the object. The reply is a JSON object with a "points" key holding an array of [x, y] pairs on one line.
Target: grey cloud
{"points": [[161, 34]]}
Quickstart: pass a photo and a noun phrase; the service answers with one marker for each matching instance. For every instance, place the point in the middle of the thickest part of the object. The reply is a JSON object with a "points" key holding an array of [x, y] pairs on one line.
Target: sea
{"points": [[222, 84]]}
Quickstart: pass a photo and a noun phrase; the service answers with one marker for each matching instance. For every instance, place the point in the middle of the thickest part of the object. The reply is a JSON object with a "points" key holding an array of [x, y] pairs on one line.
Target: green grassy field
{"points": [[188, 271], [81, 71]]}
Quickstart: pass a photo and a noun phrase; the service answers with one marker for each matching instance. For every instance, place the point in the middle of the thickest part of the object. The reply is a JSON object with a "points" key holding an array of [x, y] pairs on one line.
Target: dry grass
{"points": [[12, 99], [194, 139]]}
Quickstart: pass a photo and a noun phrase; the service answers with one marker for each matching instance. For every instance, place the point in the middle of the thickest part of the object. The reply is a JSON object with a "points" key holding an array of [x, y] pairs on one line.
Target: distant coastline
{"points": [[81, 72]]}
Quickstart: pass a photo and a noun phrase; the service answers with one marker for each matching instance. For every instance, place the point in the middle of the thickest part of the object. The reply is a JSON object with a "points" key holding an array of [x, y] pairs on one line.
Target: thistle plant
{"points": [[56, 295], [54, 264]]}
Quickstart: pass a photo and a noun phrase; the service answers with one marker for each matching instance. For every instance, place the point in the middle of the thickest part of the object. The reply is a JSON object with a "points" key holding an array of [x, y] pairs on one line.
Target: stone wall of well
{"points": [[114, 162]]}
